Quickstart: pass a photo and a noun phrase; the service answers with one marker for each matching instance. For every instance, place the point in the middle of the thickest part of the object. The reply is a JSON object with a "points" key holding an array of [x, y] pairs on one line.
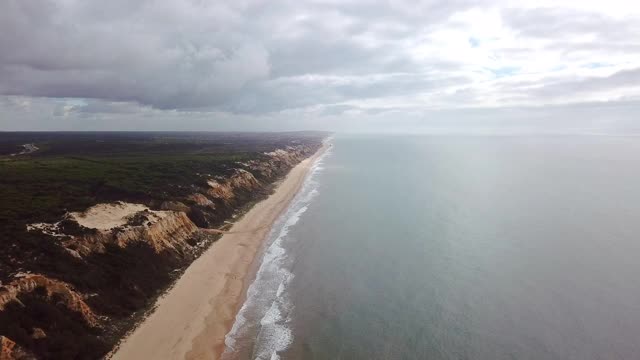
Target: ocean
{"points": [[454, 247]]}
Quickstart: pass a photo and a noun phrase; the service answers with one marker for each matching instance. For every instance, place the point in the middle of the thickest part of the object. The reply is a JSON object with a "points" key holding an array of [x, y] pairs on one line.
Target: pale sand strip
{"points": [[192, 319]]}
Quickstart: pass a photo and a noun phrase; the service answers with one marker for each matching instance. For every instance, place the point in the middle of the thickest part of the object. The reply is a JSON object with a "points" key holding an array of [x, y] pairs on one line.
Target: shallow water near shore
{"points": [[454, 247]]}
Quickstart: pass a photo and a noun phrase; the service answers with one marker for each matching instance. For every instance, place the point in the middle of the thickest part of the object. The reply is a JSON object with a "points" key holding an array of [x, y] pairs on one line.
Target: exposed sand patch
{"points": [[27, 149], [109, 216], [46, 228]]}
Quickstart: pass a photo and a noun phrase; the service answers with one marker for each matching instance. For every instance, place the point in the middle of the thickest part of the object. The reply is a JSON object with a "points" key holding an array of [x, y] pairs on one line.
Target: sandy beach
{"points": [[192, 319]]}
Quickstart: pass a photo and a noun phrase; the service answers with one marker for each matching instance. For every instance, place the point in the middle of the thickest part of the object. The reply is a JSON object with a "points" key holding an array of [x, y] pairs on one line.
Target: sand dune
{"points": [[107, 216]]}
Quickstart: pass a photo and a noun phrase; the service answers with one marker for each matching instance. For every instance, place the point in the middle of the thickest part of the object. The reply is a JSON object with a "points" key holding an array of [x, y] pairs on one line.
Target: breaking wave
{"points": [[261, 328]]}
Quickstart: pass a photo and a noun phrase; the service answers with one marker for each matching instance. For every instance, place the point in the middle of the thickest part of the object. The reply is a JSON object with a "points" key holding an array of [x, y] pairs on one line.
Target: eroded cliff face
{"points": [[217, 198], [227, 189], [121, 224], [171, 226], [279, 161], [161, 230], [9, 350], [121, 254], [63, 292]]}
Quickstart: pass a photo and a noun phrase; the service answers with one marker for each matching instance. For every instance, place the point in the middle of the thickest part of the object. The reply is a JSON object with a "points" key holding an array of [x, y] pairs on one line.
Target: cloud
{"points": [[258, 59], [566, 23], [160, 53]]}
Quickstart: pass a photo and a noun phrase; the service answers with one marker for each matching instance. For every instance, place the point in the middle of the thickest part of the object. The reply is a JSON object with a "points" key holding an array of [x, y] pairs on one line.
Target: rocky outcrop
{"points": [[9, 350], [64, 293]]}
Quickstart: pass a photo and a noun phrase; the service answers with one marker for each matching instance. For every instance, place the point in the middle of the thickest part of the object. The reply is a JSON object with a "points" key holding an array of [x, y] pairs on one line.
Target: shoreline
{"points": [[191, 320]]}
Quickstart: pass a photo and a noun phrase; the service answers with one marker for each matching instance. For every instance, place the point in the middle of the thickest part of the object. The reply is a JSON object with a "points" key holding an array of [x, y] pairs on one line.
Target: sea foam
{"points": [[262, 326]]}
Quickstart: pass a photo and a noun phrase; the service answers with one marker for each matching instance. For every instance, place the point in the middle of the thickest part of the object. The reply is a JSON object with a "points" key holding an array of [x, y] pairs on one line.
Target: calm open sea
{"points": [[454, 247]]}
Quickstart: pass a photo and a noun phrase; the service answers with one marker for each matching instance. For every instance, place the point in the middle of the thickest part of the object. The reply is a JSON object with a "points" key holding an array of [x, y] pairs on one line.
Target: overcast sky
{"points": [[397, 65]]}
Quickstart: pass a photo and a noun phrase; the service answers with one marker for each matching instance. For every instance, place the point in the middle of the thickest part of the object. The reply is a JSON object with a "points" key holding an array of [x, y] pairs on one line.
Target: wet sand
{"points": [[192, 319]]}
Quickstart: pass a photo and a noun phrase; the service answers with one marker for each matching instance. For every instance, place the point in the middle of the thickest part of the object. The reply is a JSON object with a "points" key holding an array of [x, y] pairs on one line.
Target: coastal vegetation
{"points": [[113, 275]]}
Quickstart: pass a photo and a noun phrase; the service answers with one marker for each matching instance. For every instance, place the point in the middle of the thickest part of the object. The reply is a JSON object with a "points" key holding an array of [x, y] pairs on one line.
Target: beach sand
{"points": [[191, 320]]}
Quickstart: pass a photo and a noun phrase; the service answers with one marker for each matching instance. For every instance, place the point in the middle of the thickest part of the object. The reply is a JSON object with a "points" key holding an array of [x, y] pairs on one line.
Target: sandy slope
{"points": [[107, 216], [192, 319]]}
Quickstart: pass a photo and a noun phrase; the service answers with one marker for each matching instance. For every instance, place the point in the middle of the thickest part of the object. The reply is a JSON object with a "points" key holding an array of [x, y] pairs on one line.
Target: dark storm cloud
{"points": [[167, 56], [192, 54]]}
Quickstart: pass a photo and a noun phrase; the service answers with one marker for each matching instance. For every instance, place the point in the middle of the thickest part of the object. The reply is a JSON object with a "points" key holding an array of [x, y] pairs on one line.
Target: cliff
{"points": [[104, 265], [278, 161], [161, 230], [226, 189], [64, 294]]}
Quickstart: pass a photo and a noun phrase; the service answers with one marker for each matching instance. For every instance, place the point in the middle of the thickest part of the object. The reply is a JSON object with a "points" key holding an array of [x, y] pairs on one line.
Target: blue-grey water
{"points": [[454, 247]]}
